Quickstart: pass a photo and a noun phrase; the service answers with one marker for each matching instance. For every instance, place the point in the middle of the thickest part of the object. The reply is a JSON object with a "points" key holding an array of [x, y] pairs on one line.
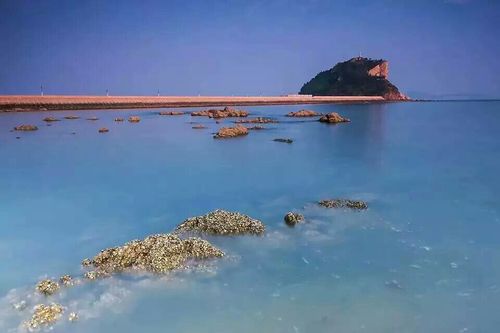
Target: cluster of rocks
{"points": [[303, 113], [220, 113], [231, 132], [284, 140], [258, 120], [171, 113], [25, 128], [157, 253], [44, 315], [134, 119], [333, 118], [343, 203], [221, 222]]}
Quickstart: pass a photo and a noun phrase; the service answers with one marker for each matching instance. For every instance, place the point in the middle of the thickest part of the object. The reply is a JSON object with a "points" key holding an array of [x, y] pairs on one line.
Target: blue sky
{"points": [[228, 47]]}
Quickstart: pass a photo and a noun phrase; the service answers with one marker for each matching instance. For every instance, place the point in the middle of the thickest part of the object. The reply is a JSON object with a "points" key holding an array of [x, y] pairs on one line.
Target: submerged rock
{"points": [[134, 119], [25, 128], [66, 280], [303, 113], [283, 140], [291, 218], [171, 113], [71, 117], [157, 253], [256, 128], [47, 287], [45, 315], [221, 222], [73, 316], [199, 126], [258, 120], [220, 113], [50, 119], [343, 203], [333, 118], [93, 118], [119, 119], [103, 130], [231, 132]]}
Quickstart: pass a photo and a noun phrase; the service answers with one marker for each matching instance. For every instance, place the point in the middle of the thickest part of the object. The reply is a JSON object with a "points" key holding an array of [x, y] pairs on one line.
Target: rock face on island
{"points": [[220, 113], [221, 222], [356, 77], [333, 118], [303, 113], [231, 132]]}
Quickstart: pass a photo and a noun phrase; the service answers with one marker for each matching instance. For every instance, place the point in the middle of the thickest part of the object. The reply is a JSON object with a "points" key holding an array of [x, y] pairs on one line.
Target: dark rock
{"points": [[93, 118], [199, 126], [283, 140], [103, 130], [343, 203], [291, 219], [258, 120]]}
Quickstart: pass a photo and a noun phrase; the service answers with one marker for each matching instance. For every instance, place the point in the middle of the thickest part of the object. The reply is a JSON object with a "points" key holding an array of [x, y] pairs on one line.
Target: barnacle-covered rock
{"points": [[343, 203], [47, 287], [66, 280], [44, 315], [291, 218], [220, 113], [231, 132], [333, 118], [134, 119], [303, 113], [25, 128], [221, 222], [157, 253]]}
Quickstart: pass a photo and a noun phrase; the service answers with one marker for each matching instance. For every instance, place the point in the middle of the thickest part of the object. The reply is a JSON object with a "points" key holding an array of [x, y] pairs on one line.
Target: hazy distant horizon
{"points": [[435, 48]]}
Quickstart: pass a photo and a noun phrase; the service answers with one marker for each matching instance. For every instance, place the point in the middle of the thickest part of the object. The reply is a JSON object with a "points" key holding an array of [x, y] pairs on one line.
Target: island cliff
{"points": [[356, 77]]}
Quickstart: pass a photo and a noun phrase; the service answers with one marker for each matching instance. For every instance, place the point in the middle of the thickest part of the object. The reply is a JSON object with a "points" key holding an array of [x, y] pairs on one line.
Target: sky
{"points": [[230, 47]]}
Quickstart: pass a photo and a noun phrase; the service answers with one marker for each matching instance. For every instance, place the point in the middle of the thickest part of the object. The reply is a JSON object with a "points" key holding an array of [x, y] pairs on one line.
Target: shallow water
{"points": [[429, 172]]}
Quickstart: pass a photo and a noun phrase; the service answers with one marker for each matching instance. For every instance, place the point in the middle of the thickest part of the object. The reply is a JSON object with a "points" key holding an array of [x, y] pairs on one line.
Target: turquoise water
{"points": [[429, 172]]}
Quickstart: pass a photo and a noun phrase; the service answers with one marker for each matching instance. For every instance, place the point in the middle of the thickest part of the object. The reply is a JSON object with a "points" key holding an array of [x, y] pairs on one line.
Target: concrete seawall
{"points": [[19, 103]]}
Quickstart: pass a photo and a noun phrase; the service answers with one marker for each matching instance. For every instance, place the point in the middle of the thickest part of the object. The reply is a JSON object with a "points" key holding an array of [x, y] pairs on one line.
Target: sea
{"points": [[424, 256]]}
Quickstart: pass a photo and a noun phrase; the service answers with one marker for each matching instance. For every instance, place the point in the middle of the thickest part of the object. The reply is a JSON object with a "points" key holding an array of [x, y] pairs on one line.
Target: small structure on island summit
{"points": [[358, 76]]}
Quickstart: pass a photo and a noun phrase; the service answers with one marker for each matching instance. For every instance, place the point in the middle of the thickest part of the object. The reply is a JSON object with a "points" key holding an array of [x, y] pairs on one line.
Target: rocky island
{"points": [[355, 77]]}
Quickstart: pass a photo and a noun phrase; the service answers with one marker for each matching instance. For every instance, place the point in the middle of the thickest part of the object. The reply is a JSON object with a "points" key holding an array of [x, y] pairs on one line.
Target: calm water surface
{"points": [[429, 172]]}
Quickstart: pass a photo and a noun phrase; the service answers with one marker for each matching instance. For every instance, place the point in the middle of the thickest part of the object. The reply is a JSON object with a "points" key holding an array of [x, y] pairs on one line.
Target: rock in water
{"points": [[303, 113], [93, 118], [45, 315], [103, 130], [71, 117], [343, 203], [291, 219], [134, 119], [221, 222], [199, 126], [355, 77], [119, 119], [25, 128], [333, 118], [157, 253], [283, 140], [66, 280], [258, 120], [50, 119], [47, 287], [231, 132], [171, 113], [220, 113]]}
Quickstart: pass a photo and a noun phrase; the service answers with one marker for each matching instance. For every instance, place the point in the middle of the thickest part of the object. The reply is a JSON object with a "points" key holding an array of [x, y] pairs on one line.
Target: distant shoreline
{"points": [[25, 103]]}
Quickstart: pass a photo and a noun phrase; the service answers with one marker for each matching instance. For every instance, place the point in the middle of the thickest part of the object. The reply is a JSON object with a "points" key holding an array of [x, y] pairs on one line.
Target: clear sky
{"points": [[227, 47]]}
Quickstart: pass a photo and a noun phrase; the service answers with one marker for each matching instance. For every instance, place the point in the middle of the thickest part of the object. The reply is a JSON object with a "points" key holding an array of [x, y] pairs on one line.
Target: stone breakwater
{"points": [[15, 103]]}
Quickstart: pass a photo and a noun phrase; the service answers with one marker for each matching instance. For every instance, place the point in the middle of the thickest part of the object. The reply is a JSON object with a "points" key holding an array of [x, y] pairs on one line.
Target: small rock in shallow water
{"points": [[171, 113], [94, 275], [256, 127], [134, 119], [220, 113], [258, 120], [343, 203], [103, 130], [66, 280], [73, 316], [47, 287], [199, 126], [19, 306], [71, 117], [291, 219], [283, 140], [93, 118], [119, 119], [303, 113], [333, 118], [231, 132], [86, 262], [26, 128], [50, 119], [221, 222], [44, 315]]}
